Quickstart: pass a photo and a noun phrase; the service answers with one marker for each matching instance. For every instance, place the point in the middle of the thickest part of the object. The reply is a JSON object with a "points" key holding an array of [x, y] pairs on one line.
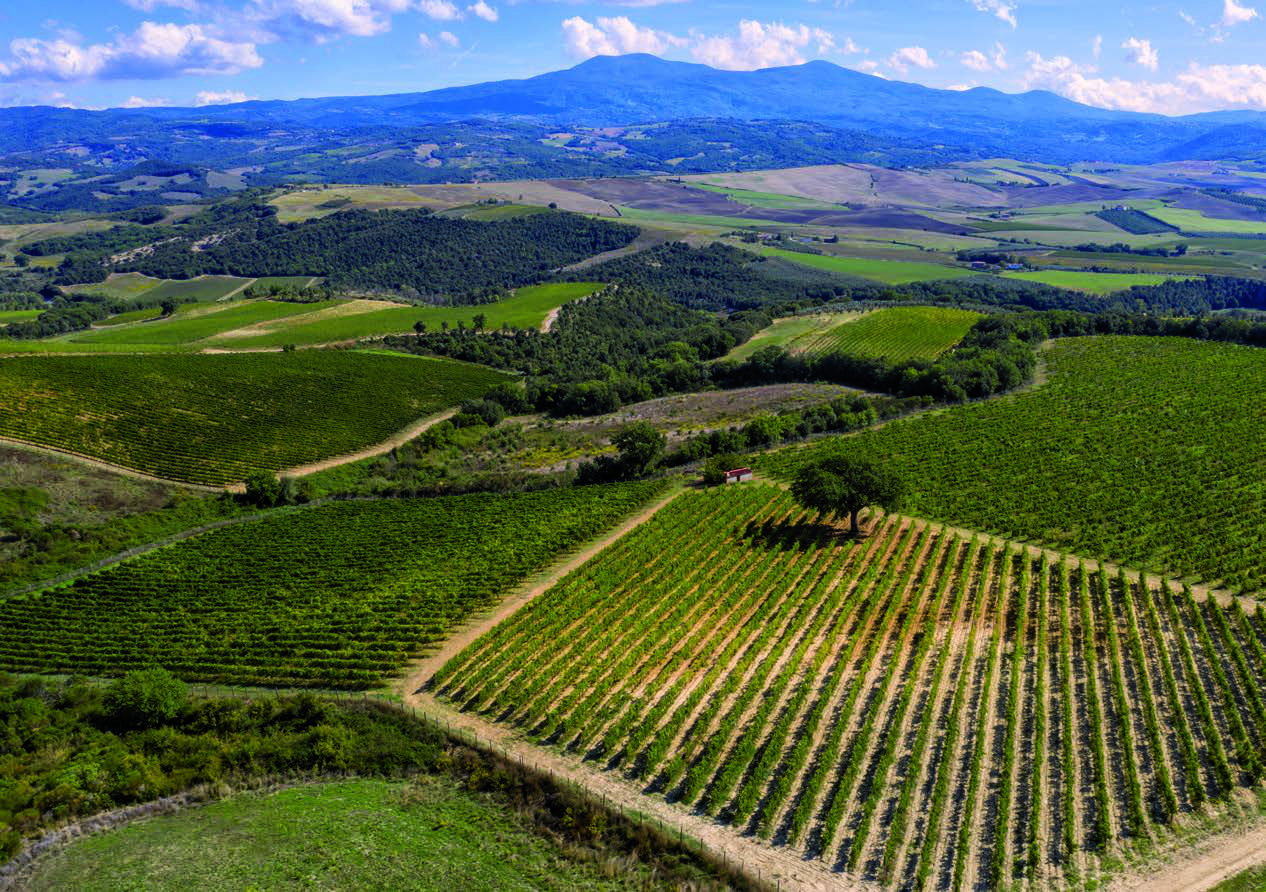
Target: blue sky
{"points": [[1196, 55]]}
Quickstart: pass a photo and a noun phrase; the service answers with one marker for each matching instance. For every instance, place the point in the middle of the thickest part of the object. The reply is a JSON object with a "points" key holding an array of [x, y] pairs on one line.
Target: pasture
{"points": [[917, 708], [215, 419], [895, 334], [340, 595], [195, 322], [788, 332], [889, 272], [1195, 221], [1092, 283], [1146, 451]]}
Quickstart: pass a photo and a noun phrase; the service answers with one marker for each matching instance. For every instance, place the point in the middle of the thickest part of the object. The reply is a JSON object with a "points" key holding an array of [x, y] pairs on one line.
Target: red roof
{"points": [[737, 471]]}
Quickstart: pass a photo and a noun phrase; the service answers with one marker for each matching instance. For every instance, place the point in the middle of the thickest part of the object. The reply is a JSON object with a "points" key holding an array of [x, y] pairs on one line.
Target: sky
{"points": [[1172, 58]]}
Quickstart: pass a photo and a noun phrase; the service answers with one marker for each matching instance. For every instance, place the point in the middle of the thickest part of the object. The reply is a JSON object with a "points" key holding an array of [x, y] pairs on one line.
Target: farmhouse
{"points": [[738, 475]]}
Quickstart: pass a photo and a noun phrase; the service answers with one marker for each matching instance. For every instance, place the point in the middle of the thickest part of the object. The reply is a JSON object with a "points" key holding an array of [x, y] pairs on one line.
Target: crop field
{"points": [[215, 419], [1093, 283], [916, 707], [1195, 221], [1147, 451], [7, 316], [788, 332], [895, 334], [193, 322], [203, 288], [340, 595], [890, 272], [119, 285]]}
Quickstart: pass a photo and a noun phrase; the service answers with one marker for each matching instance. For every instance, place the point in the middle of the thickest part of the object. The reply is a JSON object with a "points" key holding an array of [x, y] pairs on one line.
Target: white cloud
{"points": [[998, 8], [448, 38], [614, 37], [1199, 88], [1187, 17], [225, 97], [1234, 14], [483, 11], [1096, 46], [850, 48], [151, 5], [425, 41], [440, 10], [1141, 52], [762, 45], [152, 51], [141, 102], [910, 57], [976, 61], [323, 19], [1000, 57]]}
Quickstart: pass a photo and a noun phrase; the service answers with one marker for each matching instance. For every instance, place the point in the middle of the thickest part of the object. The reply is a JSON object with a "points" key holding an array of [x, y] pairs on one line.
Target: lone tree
{"points": [[841, 484]]}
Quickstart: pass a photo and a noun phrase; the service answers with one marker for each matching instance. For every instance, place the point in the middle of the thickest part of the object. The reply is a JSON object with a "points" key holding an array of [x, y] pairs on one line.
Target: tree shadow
{"points": [[799, 535]]}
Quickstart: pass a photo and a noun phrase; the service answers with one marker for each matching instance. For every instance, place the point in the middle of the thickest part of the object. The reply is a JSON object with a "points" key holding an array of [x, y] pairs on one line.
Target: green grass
{"points": [[895, 334], [206, 322], [286, 281], [1195, 221], [890, 272], [771, 200], [1150, 452], [1093, 283], [786, 332], [214, 419], [129, 317], [206, 288], [527, 308], [344, 594], [1251, 880], [497, 212], [7, 316], [119, 285]]}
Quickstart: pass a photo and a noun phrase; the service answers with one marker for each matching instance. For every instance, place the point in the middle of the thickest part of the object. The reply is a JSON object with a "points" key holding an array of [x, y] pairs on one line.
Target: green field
{"points": [[204, 288], [340, 595], [874, 702], [7, 316], [895, 334], [890, 272], [496, 212], [215, 419], [122, 286], [1093, 283], [788, 332], [527, 308], [1195, 221], [195, 322], [428, 834], [1146, 451], [771, 200]]}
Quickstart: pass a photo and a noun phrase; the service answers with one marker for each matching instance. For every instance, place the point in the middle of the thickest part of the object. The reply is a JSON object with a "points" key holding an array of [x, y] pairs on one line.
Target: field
{"points": [[339, 595], [121, 286], [890, 272], [7, 316], [895, 334], [1195, 221], [215, 419], [788, 332], [1093, 283], [916, 707], [193, 322], [429, 834], [1147, 451]]}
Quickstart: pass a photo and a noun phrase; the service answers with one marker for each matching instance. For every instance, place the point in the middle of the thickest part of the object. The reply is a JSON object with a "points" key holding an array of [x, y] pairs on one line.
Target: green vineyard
{"points": [[895, 334], [340, 595], [916, 708], [215, 419], [1147, 451]]}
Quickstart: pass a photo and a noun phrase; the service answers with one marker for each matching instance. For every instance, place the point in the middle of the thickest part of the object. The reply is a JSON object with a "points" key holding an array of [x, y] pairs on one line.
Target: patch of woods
{"points": [[73, 750]]}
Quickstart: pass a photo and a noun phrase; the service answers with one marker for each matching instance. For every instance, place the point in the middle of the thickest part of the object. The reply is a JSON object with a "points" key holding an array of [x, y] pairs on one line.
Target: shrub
{"points": [[145, 698]]}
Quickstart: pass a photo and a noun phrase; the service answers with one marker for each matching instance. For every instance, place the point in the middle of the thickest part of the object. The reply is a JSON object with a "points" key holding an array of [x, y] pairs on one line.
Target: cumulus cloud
{"points": [[440, 10], [225, 97], [326, 19], [483, 11], [976, 60], [448, 38], [763, 45], [1234, 14], [910, 57], [999, 9], [1141, 52], [142, 102], [152, 51], [151, 5], [1198, 88], [614, 37], [1096, 46]]}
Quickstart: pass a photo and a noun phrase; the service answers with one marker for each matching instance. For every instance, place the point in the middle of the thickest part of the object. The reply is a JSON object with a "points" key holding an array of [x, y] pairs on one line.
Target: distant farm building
{"points": [[738, 475]]}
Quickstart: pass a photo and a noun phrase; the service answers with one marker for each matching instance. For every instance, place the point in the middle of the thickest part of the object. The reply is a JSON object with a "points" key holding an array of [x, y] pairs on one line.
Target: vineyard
{"points": [[214, 419], [916, 707], [1147, 451], [339, 595], [895, 334]]}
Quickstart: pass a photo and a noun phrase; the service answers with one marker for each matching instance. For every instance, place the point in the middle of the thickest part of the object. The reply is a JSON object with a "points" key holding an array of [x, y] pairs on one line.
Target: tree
{"points": [[420, 327], [145, 698], [263, 489], [716, 467], [168, 306], [640, 444], [480, 321], [842, 484]]}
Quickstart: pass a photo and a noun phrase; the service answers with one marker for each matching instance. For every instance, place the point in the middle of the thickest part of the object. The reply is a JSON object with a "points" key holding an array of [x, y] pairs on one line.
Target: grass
{"points": [[890, 272], [7, 316], [343, 594], [203, 288], [1093, 283], [1145, 451], [428, 834], [199, 324], [119, 285], [771, 200], [215, 419], [286, 281], [895, 334], [1195, 221], [1251, 880], [497, 212], [786, 332]]}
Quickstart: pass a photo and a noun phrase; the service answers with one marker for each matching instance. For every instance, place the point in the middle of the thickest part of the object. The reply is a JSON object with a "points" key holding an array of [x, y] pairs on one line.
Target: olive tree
{"points": [[842, 485]]}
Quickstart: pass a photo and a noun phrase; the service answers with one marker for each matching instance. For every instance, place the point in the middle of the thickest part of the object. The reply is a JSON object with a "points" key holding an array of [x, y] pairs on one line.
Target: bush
{"points": [[263, 489], [145, 698], [491, 411]]}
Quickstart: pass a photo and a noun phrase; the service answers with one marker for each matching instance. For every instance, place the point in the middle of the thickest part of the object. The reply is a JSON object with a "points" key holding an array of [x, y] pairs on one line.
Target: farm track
{"points": [[774, 683], [412, 432]]}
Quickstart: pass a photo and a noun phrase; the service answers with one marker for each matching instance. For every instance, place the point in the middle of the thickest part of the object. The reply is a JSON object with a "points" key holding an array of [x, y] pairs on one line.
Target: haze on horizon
{"points": [[1171, 58]]}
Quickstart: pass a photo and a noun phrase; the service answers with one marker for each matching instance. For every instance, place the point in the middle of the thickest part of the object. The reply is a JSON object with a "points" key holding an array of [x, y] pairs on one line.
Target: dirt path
{"points": [[1219, 858], [409, 433]]}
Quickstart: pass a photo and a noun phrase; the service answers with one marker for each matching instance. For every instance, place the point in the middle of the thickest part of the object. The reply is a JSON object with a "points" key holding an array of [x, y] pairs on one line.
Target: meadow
{"points": [[1092, 283], [1146, 451], [1195, 221], [788, 332], [897, 334], [890, 272], [215, 419], [195, 322], [341, 595], [917, 707]]}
